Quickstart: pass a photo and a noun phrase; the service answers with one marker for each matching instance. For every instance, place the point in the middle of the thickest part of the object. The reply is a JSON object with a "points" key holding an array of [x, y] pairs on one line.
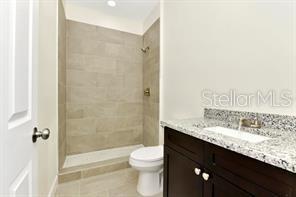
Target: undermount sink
{"points": [[242, 135]]}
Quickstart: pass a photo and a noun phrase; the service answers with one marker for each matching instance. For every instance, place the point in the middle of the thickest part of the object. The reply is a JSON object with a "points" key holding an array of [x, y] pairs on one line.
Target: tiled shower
{"points": [[102, 77], [104, 88]]}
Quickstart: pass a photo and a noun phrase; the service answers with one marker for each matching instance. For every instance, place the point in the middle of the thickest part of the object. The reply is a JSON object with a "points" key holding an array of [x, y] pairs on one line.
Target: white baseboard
{"points": [[53, 187]]}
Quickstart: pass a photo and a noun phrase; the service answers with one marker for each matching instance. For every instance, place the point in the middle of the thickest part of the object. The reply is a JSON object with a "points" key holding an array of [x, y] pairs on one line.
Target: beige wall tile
{"points": [[113, 50], [94, 110], [62, 94], [62, 69], [104, 169], [86, 143], [127, 67], [125, 122], [91, 63], [102, 65], [110, 35], [131, 94], [130, 109], [80, 127], [78, 29], [81, 95], [105, 124], [104, 88], [67, 177], [75, 111], [151, 80], [125, 137], [85, 45], [132, 40], [131, 54], [81, 78], [109, 80], [133, 80]]}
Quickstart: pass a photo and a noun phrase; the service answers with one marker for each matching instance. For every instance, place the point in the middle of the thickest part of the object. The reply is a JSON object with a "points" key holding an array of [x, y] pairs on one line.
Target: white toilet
{"points": [[149, 162]]}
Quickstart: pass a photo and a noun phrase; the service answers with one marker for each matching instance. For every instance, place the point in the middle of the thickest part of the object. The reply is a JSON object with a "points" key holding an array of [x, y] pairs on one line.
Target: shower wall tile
{"points": [[61, 85], [110, 36], [76, 29], [151, 80], [104, 88], [131, 40], [129, 122], [125, 67], [81, 78], [109, 80], [91, 63], [105, 124], [79, 127], [87, 143], [127, 109], [85, 45], [81, 95]]}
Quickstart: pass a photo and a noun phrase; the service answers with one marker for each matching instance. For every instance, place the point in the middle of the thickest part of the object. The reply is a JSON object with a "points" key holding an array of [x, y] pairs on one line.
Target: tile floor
{"points": [[121, 183]]}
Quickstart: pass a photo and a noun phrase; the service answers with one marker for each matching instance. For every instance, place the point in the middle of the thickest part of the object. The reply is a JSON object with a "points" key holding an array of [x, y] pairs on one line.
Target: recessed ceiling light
{"points": [[111, 3]]}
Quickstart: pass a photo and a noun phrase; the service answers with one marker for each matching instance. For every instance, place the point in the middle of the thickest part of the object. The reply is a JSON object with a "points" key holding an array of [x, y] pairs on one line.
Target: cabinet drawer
{"points": [[231, 166], [187, 145]]}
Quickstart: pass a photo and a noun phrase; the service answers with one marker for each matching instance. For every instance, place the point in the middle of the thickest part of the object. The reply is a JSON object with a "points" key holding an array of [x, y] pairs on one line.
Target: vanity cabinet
{"points": [[183, 179], [196, 168]]}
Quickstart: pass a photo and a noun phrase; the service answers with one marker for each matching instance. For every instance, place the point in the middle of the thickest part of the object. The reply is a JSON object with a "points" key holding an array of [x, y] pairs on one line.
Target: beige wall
{"points": [[47, 95], [151, 80], [104, 88], [62, 83], [240, 45]]}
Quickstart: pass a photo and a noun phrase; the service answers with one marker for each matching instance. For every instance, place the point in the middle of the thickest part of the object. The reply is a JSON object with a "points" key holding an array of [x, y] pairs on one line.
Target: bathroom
{"points": [[133, 98], [108, 89]]}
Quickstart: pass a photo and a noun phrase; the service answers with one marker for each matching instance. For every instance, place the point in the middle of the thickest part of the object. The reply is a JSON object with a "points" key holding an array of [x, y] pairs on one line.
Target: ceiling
{"points": [[134, 10]]}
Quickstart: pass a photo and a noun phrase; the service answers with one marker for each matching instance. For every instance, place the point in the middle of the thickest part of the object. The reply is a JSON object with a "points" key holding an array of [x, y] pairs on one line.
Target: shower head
{"points": [[144, 50]]}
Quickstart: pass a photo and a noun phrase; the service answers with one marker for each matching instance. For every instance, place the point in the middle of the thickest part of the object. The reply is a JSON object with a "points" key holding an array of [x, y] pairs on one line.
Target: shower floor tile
{"points": [[122, 183], [97, 156]]}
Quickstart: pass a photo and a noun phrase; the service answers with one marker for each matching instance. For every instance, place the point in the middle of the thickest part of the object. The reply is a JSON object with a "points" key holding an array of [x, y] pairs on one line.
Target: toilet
{"points": [[149, 162]]}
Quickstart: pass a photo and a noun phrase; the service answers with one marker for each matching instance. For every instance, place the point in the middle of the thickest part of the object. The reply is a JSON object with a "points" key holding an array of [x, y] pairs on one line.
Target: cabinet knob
{"points": [[205, 176], [197, 171]]}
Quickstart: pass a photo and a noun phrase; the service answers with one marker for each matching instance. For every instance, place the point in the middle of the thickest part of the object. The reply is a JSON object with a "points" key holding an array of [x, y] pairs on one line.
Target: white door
{"points": [[18, 54]]}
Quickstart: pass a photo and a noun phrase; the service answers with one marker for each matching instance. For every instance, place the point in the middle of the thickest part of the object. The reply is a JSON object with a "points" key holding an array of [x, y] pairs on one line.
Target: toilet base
{"points": [[150, 183]]}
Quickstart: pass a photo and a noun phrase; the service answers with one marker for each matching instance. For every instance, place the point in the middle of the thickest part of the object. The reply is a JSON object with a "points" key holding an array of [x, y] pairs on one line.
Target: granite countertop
{"points": [[279, 151]]}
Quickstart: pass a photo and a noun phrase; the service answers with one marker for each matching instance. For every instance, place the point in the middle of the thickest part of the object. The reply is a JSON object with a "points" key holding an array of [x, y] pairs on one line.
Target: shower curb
{"points": [[93, 169]]}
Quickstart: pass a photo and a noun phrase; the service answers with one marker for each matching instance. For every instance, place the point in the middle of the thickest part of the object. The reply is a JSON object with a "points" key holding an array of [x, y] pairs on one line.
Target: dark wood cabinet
{"points": [[182, 180], [218, 187], [230, 174]]}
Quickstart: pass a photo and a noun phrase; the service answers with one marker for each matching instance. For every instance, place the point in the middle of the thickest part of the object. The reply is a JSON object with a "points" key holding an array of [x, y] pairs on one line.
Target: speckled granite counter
{"points": [[279, 151]]}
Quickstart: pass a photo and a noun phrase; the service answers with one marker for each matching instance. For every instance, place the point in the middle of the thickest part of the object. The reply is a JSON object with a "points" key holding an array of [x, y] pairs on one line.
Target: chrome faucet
{"points": [[250, 123]]}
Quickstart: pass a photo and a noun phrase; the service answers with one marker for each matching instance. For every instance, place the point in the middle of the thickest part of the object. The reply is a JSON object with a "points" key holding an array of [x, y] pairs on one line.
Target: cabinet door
{"points": [[219, 187], [180, 178], [258, 178]]}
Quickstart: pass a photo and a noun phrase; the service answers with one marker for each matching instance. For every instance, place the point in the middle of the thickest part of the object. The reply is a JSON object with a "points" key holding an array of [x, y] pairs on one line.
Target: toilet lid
{"points": [[152, 153]]}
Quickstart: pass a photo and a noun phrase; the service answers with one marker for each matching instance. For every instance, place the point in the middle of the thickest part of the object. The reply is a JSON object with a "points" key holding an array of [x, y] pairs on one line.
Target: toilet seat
{"points": [[147, 165], [148, 154]]}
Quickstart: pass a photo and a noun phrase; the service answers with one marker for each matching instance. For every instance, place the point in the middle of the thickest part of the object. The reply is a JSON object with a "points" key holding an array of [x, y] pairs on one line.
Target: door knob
{"points": [[197, 171], [44, 134], [205, 176]]}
